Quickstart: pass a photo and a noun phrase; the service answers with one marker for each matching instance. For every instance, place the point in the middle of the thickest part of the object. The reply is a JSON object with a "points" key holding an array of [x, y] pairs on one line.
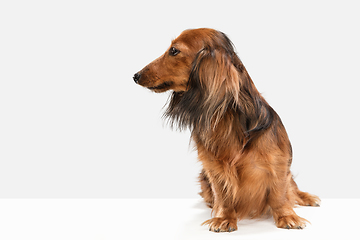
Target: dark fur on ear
{"points": [[219, 83]]}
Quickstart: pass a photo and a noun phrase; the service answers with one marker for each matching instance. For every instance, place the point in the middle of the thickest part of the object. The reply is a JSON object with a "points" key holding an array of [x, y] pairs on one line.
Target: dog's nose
{"points": [[137, 77]]}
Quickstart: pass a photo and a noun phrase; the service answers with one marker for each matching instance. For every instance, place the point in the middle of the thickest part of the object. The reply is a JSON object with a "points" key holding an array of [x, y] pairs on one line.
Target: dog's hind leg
{"points": [[304, 198]]}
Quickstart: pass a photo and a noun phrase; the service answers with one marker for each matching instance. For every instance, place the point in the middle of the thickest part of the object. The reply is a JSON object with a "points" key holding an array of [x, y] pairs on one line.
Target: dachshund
{"points": [[241, 142]]}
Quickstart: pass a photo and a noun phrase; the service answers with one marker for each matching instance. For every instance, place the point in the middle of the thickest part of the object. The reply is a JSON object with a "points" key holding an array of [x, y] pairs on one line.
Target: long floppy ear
{"points": [[218, 79], [225, 85]]}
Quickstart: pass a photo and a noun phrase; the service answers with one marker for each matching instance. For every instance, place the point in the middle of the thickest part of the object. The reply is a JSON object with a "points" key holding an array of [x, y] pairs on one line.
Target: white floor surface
{"points": [[105, 219]]}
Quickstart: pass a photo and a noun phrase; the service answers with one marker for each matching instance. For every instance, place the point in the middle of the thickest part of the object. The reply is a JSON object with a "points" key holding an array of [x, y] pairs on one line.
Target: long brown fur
{"points": [[241, 141]]}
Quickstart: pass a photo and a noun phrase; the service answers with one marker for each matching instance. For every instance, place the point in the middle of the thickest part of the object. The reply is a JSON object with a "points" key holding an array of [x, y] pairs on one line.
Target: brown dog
{"points": [[241, 141]]}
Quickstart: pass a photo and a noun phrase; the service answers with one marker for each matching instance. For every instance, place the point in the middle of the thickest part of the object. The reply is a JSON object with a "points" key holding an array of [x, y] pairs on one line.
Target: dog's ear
{"points": [[217, 79], [214, 72]]}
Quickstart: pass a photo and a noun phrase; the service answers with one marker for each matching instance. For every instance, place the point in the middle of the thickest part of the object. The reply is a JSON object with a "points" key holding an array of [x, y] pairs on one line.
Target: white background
{"points": [[114, 219], [74, 124]]}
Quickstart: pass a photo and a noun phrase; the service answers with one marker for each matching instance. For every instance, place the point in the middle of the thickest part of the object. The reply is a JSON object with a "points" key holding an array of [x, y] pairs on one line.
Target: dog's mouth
{"points": [[161, 87]]}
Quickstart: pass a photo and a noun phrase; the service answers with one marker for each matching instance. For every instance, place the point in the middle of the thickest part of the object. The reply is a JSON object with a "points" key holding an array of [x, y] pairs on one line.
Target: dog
{"points": [[241, 142]]}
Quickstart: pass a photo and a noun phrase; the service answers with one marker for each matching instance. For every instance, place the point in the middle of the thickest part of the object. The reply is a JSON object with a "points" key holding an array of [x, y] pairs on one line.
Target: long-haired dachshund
{"points": [[241, 142]]}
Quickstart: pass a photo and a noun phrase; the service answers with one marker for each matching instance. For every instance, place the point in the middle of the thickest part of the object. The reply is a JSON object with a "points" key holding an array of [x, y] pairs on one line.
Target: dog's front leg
{"points": [[224, 215]]}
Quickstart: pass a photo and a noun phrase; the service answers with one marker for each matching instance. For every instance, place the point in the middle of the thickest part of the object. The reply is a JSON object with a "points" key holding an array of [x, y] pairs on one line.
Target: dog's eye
{"points": [[173, 51]]}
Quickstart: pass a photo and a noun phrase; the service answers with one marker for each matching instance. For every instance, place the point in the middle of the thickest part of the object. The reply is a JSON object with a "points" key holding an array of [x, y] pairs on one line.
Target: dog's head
{"points": [[198, 56], [208, 80]]}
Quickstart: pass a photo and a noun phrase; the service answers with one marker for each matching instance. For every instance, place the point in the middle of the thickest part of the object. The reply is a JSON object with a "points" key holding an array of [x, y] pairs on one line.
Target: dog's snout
{"points": [[137, 77]]}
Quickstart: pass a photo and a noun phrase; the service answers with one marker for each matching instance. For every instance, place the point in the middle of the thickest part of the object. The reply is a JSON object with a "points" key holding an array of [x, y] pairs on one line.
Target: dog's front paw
{"points": [[291, 222], [221, 224]]}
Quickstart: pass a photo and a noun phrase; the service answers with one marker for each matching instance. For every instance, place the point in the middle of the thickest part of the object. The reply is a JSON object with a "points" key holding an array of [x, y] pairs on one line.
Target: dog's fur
{"points": [[241, 141]]}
